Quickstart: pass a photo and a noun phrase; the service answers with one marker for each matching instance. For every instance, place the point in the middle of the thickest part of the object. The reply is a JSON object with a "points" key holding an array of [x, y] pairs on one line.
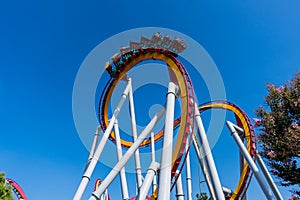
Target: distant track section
{"points": [[244, 122], [17, 189]]}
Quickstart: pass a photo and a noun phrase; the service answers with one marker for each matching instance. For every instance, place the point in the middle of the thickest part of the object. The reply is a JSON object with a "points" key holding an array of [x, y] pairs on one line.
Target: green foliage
{"points": [[202, 196], [280, 131], [5, 189]]}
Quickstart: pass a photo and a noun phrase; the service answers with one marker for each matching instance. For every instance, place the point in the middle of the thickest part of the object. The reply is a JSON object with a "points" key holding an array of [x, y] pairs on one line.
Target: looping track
{"points": [[178, 74], [243, 121], [17, 189], [123, 63]]}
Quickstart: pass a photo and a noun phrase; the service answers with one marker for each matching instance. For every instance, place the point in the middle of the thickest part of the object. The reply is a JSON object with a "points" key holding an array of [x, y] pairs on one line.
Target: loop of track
{"points": [[244, 122], [123, 63]]}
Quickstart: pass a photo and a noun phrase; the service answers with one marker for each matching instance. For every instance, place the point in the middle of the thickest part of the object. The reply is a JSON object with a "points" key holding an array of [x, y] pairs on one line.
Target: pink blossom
{"points": [[296, 137], [296, 126], [280, 89], [271, 154], [257, 122], [270, 86], [296, 103]]}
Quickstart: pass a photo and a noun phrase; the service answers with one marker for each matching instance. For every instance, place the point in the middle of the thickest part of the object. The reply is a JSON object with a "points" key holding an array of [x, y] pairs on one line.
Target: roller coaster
{"points": [[164, 174], [16, 189]]}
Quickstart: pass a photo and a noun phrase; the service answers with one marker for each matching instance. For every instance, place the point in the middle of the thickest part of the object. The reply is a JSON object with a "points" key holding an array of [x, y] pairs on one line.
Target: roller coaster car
{"points": [[142, 51], [125, 50], [112, 69], [167, 40], [127, 56], [108, 67], [136, 45], [145, 41], [117, 61], [179, 45], [115, 57]]}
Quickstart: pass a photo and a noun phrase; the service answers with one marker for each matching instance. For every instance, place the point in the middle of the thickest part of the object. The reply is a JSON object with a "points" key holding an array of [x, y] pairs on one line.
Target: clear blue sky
{"points": [[43, 43]]}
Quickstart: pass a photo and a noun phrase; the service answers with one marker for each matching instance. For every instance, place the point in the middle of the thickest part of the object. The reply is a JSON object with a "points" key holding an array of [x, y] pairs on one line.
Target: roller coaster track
{"points": [[244, 122], [123, 63], [17, 189]]}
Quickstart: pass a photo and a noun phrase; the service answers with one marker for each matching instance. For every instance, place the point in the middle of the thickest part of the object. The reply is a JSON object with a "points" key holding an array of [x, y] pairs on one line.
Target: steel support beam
{"points": [[122, 172], [234, 132], [166, 157], [138, 168], [92, 164], [130, 152], [216, 184], [268, 177], [151, 172], [179, 188], [154, 182], [203, 167]]}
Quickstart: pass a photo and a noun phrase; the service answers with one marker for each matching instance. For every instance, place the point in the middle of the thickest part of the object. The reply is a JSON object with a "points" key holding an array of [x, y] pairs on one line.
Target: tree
{"points": [[202, 196], [280, 131], [5, 189]]}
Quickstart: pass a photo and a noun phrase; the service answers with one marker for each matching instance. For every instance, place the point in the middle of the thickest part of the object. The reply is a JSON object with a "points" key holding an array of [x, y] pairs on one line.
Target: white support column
{"points": [[122, 172], [106, 195], [91, 166], [216, 184], [95, 142], [179, 189], [138, 168], [233, 129], [166, 157], [151, 172], [114, 172], [188, 173], [204, 168], [268, 177], [154, 182]]}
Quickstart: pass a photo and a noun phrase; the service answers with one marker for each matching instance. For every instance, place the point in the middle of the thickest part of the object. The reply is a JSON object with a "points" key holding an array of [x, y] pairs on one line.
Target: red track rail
{"points": [[17, 189]]}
